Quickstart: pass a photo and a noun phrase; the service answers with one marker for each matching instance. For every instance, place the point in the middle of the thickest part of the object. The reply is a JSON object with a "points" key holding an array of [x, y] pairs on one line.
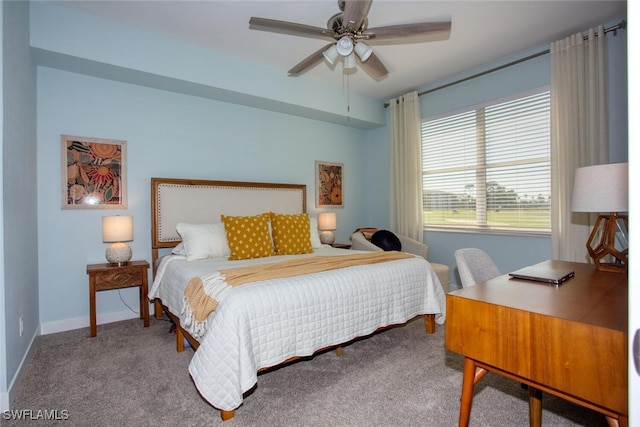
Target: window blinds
{"points": [[489, 167]]}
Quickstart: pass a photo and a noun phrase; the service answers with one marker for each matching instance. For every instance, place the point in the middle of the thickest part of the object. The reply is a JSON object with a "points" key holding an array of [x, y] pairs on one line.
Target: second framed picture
{"points": [[329, 185]]}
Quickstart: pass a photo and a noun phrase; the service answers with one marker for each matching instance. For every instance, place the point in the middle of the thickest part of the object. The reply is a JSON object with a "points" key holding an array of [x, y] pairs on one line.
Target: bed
{"points": [[271, 318]]}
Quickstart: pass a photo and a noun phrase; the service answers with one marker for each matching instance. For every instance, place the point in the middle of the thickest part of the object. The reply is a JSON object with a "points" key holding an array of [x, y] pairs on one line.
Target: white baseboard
{"points": [[7, 398], [83, 321]]}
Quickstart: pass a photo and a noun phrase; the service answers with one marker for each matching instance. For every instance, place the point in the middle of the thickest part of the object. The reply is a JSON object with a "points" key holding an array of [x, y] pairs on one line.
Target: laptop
{"points": [[546, 274]]}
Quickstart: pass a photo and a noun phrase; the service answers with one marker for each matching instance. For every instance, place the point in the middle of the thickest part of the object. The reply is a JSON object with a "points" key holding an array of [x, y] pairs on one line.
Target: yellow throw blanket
{"points": [[204, 293]]}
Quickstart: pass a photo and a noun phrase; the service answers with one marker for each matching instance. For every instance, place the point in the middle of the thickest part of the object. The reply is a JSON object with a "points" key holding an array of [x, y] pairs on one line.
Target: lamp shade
{"points": [[350, 62], [117, 228], [327, 221], [331, 54], [363, 50], [601, 188]]}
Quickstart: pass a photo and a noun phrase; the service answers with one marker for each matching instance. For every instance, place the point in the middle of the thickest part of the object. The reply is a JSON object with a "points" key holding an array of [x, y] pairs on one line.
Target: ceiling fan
{"points": [[348, 31]]}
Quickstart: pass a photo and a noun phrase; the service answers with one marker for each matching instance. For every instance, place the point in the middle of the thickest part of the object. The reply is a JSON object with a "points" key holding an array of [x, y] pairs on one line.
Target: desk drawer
{"points": [[118, 279]]}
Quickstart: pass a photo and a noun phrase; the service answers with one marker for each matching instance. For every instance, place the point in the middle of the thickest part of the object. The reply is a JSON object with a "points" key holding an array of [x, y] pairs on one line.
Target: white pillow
{"points": [[179, 250], [203, 240], [313, 229]]}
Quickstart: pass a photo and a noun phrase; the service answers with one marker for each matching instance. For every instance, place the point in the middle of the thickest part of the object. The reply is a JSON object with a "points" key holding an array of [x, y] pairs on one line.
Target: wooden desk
{"points": [[569, 341]]}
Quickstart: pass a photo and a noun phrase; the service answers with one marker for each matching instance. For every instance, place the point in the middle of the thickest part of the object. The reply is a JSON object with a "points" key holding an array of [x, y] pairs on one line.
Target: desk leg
{"points": [[617, 422], [468, 380], [535, 407], [92, 306]]}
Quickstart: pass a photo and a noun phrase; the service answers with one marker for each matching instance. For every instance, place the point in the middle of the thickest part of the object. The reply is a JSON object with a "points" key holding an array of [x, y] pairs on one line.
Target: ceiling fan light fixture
{"points": [[331, 54], [350, 62], [346, 31], [363, 50], [345, 46]]}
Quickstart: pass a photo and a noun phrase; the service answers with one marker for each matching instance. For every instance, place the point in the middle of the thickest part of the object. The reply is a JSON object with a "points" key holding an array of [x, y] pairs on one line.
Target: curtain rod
{"points": [[620, 26]]}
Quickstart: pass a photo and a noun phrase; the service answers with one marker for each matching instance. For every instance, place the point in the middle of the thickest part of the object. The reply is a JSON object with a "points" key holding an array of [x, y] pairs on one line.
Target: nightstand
{"points": [[103, 277], [341, 245]]}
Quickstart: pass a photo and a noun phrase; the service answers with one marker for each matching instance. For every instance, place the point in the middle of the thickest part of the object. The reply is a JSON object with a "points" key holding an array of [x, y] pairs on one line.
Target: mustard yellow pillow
{"points": [[291, 234], [248, 236]]}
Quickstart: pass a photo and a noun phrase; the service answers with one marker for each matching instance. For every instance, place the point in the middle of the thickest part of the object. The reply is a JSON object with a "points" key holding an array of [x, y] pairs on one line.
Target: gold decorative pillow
{"points": [[248, 236], [291, 234]]}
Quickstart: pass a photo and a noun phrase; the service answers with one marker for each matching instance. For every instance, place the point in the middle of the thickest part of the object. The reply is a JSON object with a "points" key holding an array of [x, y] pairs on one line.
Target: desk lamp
{"points": [[604, 188]]}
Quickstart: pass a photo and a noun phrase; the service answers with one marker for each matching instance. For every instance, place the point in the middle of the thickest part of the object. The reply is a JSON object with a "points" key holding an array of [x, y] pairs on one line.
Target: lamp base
{"points": [[327, 237], [118, 254], [602, 243]]}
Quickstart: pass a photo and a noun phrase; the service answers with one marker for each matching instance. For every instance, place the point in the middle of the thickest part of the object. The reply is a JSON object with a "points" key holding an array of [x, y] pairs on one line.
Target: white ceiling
{"points": [[482, 32]]}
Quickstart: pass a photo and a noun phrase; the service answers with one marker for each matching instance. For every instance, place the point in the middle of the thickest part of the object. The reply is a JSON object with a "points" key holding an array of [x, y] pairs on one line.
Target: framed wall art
{"points": [[329, 185], [93, 173]]}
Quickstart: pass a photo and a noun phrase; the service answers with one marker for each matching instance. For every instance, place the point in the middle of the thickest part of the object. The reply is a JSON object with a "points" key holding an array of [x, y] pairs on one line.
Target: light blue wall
{"points": [[168, 100], [377, 181], [19, 271], [168, 135], [73, 41]]}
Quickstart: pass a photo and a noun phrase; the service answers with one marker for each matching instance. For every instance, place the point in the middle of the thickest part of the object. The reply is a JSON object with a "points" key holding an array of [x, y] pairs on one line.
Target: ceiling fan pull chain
{"points": [[348, 95], [345, 85]]}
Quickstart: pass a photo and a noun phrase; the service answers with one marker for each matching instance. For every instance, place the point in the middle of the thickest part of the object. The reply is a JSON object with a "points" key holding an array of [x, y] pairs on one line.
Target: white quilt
{"points": [[262, 324]]}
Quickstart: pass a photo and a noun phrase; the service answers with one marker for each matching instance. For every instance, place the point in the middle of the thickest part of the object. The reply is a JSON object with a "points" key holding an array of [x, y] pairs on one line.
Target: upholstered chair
{"points": [[475, 266], [359, 242]]}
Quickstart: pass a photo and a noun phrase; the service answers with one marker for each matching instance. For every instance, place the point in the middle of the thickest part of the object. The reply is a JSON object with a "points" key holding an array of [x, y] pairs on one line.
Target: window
{"points": [[488, 168]]}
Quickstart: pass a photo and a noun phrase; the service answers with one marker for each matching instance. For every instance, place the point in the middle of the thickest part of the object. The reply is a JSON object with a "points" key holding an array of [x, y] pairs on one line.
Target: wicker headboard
{"points": [[201, 202]]}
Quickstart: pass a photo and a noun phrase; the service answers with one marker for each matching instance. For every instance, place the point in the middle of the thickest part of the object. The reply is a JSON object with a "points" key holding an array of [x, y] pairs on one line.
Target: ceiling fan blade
{"points": [[355, 12], [290, 28], [309, 62], [425, 31], [375, 67]]}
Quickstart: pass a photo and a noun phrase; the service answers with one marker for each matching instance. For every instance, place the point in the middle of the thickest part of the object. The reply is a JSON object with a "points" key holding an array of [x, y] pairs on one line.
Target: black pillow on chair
{"points": [[386, 240]]}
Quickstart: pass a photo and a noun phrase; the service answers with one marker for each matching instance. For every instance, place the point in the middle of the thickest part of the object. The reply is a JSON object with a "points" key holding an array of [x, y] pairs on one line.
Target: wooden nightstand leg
{"points": [[141, 299], [92, 307], [144, 302]]}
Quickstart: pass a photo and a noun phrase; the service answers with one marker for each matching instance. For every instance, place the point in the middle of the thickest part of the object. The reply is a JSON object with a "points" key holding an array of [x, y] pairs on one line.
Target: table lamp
{"points": [[604, 188], [327, 223], [117, 230]]}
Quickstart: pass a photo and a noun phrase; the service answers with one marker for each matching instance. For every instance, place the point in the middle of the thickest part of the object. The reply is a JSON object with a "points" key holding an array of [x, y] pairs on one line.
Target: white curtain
{"points": [[579, 132], [405, 212]]}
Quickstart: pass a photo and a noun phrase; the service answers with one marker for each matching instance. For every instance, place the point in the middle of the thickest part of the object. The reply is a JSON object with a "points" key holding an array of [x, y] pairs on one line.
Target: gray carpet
{"points": [[129, 375]]}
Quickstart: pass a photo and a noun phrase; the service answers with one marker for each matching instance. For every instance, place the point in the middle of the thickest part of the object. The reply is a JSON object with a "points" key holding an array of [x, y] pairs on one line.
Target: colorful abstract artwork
{"points": [[93, 173], [329, 184]]}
